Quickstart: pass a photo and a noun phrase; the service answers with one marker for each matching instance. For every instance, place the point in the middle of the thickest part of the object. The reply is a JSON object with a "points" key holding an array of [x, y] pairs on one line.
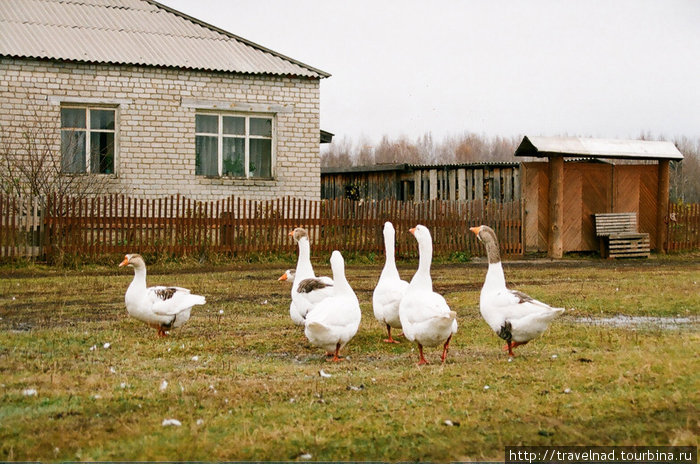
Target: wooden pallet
{"points": [[628, 245], [619, 237]]}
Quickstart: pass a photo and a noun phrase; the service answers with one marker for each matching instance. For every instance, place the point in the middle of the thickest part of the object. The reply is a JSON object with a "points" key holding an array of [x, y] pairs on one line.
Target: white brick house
{"points": [[155, 102]]}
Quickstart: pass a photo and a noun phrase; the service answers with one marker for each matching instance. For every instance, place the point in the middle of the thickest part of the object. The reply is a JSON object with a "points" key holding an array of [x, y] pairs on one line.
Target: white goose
{"points": [[307, 289], [298, 319], [334, 321], [390, 288], [163, 308], [425, 316], [513, 315]]}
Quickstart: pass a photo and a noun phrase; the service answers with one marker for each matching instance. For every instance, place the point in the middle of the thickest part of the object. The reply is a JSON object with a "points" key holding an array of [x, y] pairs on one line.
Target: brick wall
{"points": [[156, 153]]}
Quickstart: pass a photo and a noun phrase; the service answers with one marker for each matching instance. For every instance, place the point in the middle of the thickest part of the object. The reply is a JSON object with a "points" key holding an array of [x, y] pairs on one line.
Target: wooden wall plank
{"points": [[478, 184], [648, 203], [573, 205]]}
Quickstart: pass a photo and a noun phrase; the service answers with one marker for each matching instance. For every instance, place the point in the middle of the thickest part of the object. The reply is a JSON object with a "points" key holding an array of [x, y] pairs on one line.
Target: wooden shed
{"points": [[600, 176], [412, 182]]}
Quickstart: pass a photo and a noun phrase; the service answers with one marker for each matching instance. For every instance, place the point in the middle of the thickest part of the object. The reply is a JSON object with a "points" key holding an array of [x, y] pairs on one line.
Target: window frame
{"points": [[89, 131], [247, 137]]}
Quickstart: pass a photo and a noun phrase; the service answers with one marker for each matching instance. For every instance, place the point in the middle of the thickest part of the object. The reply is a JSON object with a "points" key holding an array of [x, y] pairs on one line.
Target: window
{"points": [[87, 139], [233, 145]]}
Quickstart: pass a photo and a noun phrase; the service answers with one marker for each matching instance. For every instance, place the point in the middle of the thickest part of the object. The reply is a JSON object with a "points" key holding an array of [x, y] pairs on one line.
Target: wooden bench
{"points": [[619, 237]]}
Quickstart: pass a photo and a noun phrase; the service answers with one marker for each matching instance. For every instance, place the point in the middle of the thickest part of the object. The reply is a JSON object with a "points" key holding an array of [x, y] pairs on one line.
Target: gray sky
{"points": [[598, 68]]}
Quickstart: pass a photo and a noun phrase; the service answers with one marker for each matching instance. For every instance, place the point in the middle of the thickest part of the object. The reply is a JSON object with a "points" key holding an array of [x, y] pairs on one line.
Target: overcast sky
{"points": [[599, 68]]}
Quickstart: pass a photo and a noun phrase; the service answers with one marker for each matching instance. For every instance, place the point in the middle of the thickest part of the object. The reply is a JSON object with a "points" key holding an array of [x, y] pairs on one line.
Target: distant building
{"points": [[579, 177], [413, 182], [155, 102]]}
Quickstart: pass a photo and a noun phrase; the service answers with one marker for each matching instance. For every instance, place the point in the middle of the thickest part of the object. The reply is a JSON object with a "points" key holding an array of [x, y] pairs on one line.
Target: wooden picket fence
{"points": [[21, 227], [683, 227], [236, 226], [40, 228]]}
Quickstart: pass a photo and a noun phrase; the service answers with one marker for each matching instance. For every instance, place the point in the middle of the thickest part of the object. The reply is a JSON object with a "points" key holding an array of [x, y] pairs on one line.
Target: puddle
{"points": [[637, 322]]}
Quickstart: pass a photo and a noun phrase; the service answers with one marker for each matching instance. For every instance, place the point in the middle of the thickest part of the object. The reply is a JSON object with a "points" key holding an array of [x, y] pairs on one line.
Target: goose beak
{"points": [[291, 233], [413, 231], [125, 262], [476, 230], [283, 277]]}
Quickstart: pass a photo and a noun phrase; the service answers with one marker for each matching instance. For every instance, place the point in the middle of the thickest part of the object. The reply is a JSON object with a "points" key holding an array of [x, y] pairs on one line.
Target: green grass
{"points": [[255, 392]]}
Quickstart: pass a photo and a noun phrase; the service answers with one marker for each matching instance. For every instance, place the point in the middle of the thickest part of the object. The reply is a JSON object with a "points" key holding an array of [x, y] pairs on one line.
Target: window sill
{"points": [[239, 181], [93, 174]]}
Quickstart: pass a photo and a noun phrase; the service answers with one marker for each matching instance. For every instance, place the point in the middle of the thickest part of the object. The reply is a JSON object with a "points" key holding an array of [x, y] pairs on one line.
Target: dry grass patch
{"points": [[245, 384]]}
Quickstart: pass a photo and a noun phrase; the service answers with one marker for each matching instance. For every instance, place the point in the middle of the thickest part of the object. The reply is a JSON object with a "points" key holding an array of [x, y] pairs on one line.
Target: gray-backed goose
{"points": [[513, 315], [333, 322], [307, 290], [163, 308]]}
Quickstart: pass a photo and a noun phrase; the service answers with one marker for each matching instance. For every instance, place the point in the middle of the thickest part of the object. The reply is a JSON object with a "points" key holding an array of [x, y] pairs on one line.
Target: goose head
{"points": [[338, 267], [299, 233], [389, 228], [337, 261], [487, 236], [288, 275], [422, 234], [134, 260]]}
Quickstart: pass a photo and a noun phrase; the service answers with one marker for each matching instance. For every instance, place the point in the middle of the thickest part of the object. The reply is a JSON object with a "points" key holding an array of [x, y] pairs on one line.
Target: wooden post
{"points": [[462, 184], [433, 193], [479, 184], [417, 185], [662, 205], [452, 181], [555, 247]]}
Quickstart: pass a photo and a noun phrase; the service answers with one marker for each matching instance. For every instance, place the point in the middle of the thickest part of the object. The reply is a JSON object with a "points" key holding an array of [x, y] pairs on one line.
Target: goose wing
{"points": [[315, 289], [514, 304], [167, 301], [425, 306]]}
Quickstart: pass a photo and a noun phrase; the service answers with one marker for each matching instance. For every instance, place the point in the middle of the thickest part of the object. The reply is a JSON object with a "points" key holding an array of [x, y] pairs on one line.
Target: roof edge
{"points": [[148, 65], [323, 74], [408, 167], [548, 147]]}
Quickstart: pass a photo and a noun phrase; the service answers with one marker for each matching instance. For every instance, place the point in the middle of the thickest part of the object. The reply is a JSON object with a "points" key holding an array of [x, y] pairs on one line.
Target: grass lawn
{"points": [[245, 384]]}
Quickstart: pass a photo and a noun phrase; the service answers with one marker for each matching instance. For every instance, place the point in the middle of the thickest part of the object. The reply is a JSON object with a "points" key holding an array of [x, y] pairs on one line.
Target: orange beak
{"points": [[125, 262], [413, 231], [283, 277], [476, 230], [291, 233]]}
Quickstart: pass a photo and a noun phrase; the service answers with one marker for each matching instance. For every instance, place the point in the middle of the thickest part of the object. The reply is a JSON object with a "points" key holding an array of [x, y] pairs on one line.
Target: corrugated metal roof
{"points": [[475, 164], [600, 148], [404, 167], [139, 32]]}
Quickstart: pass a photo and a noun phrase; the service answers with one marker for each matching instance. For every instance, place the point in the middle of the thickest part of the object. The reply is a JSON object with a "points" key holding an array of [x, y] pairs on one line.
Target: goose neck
{"points": [[492, 251], [495, 278], [340, 282], [425, 257], [390, 269], [304, 268], [139, 277]]}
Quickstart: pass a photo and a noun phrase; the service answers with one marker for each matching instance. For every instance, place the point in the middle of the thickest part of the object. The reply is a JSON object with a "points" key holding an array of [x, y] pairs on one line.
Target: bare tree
{"points": [[339, 153], [685, 175], [364, 155], [31, 163], [398, 151]]}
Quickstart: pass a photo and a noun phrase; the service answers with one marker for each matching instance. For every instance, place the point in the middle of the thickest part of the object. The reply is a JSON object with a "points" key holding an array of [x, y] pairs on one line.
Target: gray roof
{"points": [[600, 148], [136, 32]]}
